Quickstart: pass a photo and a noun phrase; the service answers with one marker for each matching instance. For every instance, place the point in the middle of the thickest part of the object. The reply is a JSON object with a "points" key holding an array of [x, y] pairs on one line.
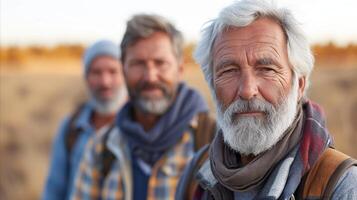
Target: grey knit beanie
{"points": [[100, 48]]}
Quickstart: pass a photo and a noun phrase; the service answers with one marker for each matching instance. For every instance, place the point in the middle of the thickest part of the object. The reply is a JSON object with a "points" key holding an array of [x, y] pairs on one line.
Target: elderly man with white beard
{"points": [[102, 73], [272, 142]]}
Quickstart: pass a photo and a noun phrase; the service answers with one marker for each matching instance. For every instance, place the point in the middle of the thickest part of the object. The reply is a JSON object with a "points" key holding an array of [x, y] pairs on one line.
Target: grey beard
{"points": [[112, 106], [254, 135], [157, 106]]}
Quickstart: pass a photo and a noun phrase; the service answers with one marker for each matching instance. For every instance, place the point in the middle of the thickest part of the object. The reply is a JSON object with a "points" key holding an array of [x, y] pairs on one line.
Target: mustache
{"points": [[252, 105], [103, 88], [99, 90], [147, 86]]}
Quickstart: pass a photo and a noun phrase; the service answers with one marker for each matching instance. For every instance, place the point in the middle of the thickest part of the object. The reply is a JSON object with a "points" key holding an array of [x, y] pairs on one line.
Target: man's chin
{"points": [[150, 106], [103, 101]]}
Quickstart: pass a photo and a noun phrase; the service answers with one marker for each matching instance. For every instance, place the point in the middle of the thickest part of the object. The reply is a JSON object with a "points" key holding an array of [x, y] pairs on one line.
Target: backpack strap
{"points": [[72, 132], [206, 129], [326, 172], [187, 186], [108, 157], [203, 135]]}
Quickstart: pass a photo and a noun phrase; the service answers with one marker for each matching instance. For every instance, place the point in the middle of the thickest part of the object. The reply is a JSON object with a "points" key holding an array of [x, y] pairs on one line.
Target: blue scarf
{"points": [[150, 145]]}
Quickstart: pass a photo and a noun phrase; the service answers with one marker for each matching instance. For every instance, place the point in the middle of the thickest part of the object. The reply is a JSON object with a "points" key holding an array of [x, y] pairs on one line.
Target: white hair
{"points": [[241, 14]]}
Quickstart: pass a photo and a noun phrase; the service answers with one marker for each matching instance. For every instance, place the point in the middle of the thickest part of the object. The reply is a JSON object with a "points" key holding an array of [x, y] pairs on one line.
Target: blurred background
{"points": [[40, 69]]}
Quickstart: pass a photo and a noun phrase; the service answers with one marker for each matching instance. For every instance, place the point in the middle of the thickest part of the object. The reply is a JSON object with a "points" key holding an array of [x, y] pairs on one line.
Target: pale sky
{"points": [[48, 22]]}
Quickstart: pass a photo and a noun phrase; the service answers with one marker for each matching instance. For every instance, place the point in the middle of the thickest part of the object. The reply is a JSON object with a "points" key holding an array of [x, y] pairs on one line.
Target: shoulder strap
{"points": [[203, 135], [206, 129], [108, 157], [72, 131], [188, 185], [326, 172]]}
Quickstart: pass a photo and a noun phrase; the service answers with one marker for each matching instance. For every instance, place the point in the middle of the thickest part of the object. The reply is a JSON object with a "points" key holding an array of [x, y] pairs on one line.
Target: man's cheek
{"points": [[225, 96]]}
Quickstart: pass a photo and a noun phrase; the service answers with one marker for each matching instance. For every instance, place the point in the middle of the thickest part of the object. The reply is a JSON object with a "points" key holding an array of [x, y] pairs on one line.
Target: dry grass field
{"points": [[32, 103]]}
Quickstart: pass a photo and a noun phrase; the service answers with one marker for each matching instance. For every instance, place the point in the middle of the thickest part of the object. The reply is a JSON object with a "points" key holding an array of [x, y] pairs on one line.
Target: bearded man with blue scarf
{"points": [[153, 140]]}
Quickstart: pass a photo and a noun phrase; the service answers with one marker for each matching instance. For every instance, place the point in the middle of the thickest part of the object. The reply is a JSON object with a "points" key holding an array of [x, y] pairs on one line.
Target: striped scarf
{"points": [[316, 138]]}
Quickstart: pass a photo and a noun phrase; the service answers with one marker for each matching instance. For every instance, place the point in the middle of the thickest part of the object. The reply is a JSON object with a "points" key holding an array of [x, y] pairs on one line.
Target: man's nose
{"points": [[105, 79], [151, 73], [248, 86]]}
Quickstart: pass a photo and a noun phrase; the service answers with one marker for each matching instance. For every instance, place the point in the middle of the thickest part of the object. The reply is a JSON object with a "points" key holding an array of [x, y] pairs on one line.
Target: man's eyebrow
{"points": [[264, 61], [224, 63]]}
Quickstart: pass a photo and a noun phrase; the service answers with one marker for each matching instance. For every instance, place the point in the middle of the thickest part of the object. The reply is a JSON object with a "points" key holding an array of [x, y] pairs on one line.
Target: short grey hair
{"points": [[241, 14], [144, 25]]}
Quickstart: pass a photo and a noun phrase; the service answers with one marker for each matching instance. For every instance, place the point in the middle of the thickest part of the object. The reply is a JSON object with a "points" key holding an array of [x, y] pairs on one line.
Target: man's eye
{"points": [[231, 70], [113, 71], [159, 62], [96, 72], [137, 65], [227, 72], [266, 69]]}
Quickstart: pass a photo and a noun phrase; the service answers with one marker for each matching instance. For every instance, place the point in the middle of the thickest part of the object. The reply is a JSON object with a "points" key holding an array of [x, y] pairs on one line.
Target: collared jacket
{"points": [[64, 164], [118, 183]]}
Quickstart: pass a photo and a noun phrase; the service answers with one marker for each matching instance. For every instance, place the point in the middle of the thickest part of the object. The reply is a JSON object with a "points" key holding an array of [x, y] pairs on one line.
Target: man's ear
{"points": [[301, 89]]}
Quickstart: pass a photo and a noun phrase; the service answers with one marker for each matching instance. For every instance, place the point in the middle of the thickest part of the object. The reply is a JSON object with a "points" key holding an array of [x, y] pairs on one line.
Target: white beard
{"points": [[254, 135], [111, 106]]}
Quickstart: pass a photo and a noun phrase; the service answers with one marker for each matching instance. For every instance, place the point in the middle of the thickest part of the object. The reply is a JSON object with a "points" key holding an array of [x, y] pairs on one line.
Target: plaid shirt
{"points": [[117, 184]]}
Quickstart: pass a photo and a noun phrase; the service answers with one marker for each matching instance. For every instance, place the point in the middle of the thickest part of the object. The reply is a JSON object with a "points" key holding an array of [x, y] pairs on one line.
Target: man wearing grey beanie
{"points": [[103, 77]]}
